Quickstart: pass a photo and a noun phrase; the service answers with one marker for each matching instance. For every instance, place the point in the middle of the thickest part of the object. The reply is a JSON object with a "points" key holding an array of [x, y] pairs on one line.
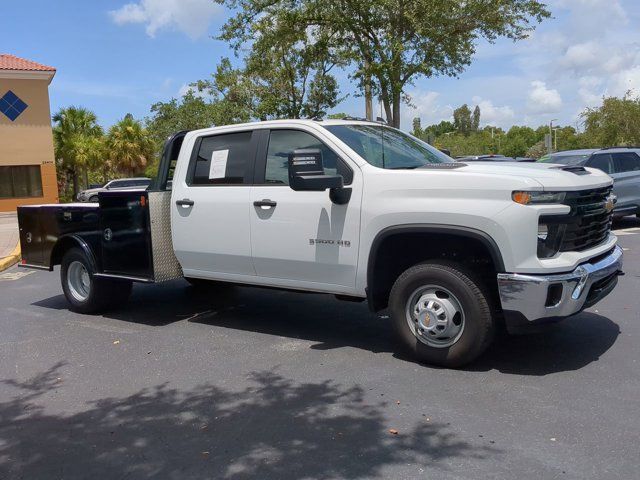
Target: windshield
{"points": [[565, 159], [386, 147]]}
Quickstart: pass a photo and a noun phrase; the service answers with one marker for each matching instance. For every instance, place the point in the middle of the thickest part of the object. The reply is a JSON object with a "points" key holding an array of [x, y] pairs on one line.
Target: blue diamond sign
{"points": [[12, 106]]}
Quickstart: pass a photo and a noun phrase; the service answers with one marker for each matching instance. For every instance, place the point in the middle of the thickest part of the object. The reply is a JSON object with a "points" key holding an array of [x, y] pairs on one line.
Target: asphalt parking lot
{"points": [[255, 383]]}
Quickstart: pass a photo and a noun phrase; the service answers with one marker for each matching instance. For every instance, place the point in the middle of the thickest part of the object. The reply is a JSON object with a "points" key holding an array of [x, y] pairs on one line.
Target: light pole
{"points": [[555, 138], [550, 144]]}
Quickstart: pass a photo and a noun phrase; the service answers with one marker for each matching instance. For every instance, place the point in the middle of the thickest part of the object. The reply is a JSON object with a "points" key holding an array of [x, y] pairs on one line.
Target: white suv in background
{"points": [[91, 194]]}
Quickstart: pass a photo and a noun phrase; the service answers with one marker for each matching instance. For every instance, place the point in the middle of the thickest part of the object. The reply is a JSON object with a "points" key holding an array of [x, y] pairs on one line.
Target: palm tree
{"points": [[76, 136], [130, 147]]}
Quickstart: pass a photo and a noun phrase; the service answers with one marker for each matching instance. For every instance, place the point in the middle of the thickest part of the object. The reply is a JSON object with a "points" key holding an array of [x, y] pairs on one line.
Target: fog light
{"points": [[543, 232]]}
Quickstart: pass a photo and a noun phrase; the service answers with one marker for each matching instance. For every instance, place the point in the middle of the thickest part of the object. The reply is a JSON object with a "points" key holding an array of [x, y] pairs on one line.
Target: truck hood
{"points": [[550, 176]]}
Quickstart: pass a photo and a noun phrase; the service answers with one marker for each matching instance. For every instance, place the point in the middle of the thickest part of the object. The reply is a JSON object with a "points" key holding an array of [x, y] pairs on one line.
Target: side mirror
{"points": [[306, 172]]}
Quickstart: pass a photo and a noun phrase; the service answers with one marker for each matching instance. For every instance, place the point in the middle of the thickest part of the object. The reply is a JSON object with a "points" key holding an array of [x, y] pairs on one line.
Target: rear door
{"points": [[626, 174], [211, 207], [303, 238]]}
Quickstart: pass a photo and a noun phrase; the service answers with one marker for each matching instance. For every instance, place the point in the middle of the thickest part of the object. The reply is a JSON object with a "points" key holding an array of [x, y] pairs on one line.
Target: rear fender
{"points": [[67, 242]]}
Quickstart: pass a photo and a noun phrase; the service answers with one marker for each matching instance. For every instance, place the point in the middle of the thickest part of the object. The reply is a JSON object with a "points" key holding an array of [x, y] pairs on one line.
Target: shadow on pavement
{"points": [[275, 428], [569, 345], [330, 323]]}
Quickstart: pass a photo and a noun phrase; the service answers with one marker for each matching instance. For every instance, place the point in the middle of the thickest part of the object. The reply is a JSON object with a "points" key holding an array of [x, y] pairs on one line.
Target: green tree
{"points": [[417, 128], [287, 75], [191, 112], [475, 119], [130, 146], [537, 150], [462, 119], [431, 132], [615, 122], [517, 141], [391, 41], [476, 143], [77, 145]]}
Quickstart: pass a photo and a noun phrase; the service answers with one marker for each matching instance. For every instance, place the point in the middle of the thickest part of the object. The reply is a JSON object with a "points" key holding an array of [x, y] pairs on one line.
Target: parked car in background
{"points": [[569, 157], [621, 163], [91, 194]]}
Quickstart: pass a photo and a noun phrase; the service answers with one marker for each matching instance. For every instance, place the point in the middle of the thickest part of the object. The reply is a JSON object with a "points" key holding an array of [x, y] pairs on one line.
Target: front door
{"points": [[303, 236], [211, 209]]}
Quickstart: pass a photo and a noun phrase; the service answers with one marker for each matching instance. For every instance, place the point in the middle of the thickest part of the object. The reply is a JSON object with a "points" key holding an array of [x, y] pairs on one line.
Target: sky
{"points": [[121, 56]]}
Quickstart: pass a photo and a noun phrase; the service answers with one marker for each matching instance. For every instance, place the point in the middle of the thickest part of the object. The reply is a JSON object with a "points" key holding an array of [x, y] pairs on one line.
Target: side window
{"points": [[283, 142], [221, 159], [626, 162], [602, 162], [117, 184]]}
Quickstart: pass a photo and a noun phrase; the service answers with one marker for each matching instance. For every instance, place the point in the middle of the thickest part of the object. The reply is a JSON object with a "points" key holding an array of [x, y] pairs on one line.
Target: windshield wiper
{"points": [[408, 167]]}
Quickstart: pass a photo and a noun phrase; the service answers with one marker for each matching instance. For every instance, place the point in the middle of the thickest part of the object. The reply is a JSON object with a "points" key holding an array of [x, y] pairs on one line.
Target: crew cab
{"points": [[350, 208]]}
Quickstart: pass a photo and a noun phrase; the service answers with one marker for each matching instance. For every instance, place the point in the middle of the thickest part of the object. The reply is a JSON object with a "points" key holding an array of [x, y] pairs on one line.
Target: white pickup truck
{"points": [[349, 208]]}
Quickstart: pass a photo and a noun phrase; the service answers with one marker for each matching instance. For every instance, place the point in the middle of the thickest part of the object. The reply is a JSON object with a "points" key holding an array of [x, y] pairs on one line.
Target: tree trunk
{"points": [[74, 177], [396, 110], [387, 105]]}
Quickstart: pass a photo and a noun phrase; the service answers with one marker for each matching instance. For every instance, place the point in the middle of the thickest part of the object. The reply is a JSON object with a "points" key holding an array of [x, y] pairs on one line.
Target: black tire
{"points": [[478, 323], [93, 199], [100, 293]]}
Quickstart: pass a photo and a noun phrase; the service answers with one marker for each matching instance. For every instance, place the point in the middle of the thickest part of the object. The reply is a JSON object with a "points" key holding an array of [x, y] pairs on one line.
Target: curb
{"points": [[11, 259]]}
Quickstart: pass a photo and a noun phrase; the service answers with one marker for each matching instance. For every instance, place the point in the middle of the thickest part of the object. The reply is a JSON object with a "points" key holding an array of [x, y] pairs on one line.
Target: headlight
{"points": [[534, 198]]}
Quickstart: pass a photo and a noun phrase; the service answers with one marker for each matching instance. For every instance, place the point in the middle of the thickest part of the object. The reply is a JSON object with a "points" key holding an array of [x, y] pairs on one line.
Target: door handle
{"points": [[185, 203], [265, 203]]}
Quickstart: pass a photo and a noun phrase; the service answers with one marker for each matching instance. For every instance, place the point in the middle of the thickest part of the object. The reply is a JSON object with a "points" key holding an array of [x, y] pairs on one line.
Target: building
{"points": [[27, 162]]}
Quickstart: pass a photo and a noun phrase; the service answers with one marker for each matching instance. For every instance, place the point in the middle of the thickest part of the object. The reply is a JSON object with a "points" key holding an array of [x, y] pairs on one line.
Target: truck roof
{"points": [[298, 121]]}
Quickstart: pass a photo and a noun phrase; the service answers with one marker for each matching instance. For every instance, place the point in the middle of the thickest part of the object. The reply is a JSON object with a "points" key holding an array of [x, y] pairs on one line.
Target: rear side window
{"points": [[626, 162], [602, 162], [221, 159]]}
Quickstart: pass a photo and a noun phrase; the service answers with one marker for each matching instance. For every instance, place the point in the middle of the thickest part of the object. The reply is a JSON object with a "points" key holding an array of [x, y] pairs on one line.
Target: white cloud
{"points": [[543, 99], [191, 17], [590, 90], [494, 115], [626, 81], [426, 106], [582, 56]]}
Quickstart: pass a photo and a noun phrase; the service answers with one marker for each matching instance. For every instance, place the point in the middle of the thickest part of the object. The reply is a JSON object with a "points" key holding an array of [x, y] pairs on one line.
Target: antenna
{"points": [[381, 133]]}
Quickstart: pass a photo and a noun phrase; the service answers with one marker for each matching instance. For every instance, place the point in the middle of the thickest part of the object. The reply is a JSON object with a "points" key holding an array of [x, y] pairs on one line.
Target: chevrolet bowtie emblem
{"points": [[610, 203]]}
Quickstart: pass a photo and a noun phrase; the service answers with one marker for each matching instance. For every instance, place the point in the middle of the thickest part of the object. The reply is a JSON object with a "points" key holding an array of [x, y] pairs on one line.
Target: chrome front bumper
{"points": [[530, 298]]}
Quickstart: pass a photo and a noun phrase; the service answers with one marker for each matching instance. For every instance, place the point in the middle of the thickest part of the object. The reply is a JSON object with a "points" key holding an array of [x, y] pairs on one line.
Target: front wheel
{"points": [[441, 315], [85, 292]]}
